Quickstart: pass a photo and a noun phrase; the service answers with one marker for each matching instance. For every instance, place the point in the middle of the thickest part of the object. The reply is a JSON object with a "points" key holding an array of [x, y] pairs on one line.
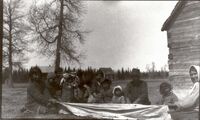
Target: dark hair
{"points": [[122, 93], [117, 89], [165, 85], [86, 77], [79, 73], [52, 81], [136, 73], [193, 69], [35, 70], [99, 72]]}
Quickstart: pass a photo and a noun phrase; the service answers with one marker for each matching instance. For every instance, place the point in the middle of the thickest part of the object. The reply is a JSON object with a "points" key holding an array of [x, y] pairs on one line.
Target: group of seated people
{"points": [[42, 95]]}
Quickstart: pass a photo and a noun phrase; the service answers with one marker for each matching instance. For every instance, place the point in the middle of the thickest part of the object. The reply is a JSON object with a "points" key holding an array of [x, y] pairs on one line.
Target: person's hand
{"points": [[86, 86], [173, 106], [53, 101], [136, 101], [94, 95], [65, 75]]}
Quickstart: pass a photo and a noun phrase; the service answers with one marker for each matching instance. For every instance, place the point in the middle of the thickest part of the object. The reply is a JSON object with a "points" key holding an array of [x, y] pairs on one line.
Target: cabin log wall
{"points": [[184, 45]]}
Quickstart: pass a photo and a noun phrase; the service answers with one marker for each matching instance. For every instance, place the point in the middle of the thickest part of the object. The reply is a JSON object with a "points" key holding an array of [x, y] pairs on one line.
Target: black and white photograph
{"points": [[99, 59]]}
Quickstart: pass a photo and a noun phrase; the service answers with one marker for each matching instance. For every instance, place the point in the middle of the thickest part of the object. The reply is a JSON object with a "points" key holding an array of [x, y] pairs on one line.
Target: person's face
{"points": [[99, 77], [106, 85], [118, 92], [35, 76], [135, 78], [194, 76], [165, 91]]}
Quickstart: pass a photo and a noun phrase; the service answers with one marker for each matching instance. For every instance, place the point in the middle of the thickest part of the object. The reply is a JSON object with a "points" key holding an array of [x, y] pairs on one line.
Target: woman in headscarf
{"points": [[191, 101], [37, 102]]}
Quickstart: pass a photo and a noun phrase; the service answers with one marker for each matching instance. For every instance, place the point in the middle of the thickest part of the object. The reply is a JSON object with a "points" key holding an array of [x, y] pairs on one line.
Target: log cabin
{"points": [[183, 36]]}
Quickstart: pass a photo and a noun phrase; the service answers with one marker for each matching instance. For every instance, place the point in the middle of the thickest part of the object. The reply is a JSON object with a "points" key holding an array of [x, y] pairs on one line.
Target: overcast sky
{"points": [[124, 34]]}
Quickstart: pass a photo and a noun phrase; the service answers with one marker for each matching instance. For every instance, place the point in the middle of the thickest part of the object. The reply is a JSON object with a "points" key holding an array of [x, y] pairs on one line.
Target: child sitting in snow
{"points": [[118, 95]]}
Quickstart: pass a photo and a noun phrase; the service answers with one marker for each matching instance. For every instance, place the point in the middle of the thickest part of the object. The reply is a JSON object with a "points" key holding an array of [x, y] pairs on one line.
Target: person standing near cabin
{"points": [[37, 102], [136, 91], [191, 101]]}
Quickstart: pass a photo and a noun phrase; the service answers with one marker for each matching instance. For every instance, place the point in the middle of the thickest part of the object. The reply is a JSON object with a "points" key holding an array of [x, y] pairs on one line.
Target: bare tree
{"points": [[57, 29], [164, 68], [148, 69], [153, 67], [15, 30]]}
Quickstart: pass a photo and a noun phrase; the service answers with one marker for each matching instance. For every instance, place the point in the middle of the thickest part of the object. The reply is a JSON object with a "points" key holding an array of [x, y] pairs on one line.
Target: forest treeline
{"points": [[21, 75]]}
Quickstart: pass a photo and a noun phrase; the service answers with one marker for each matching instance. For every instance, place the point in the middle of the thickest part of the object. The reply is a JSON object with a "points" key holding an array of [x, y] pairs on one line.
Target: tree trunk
{"points": [[58, 57], [1, 48], [1, 44], [10, 80]]}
